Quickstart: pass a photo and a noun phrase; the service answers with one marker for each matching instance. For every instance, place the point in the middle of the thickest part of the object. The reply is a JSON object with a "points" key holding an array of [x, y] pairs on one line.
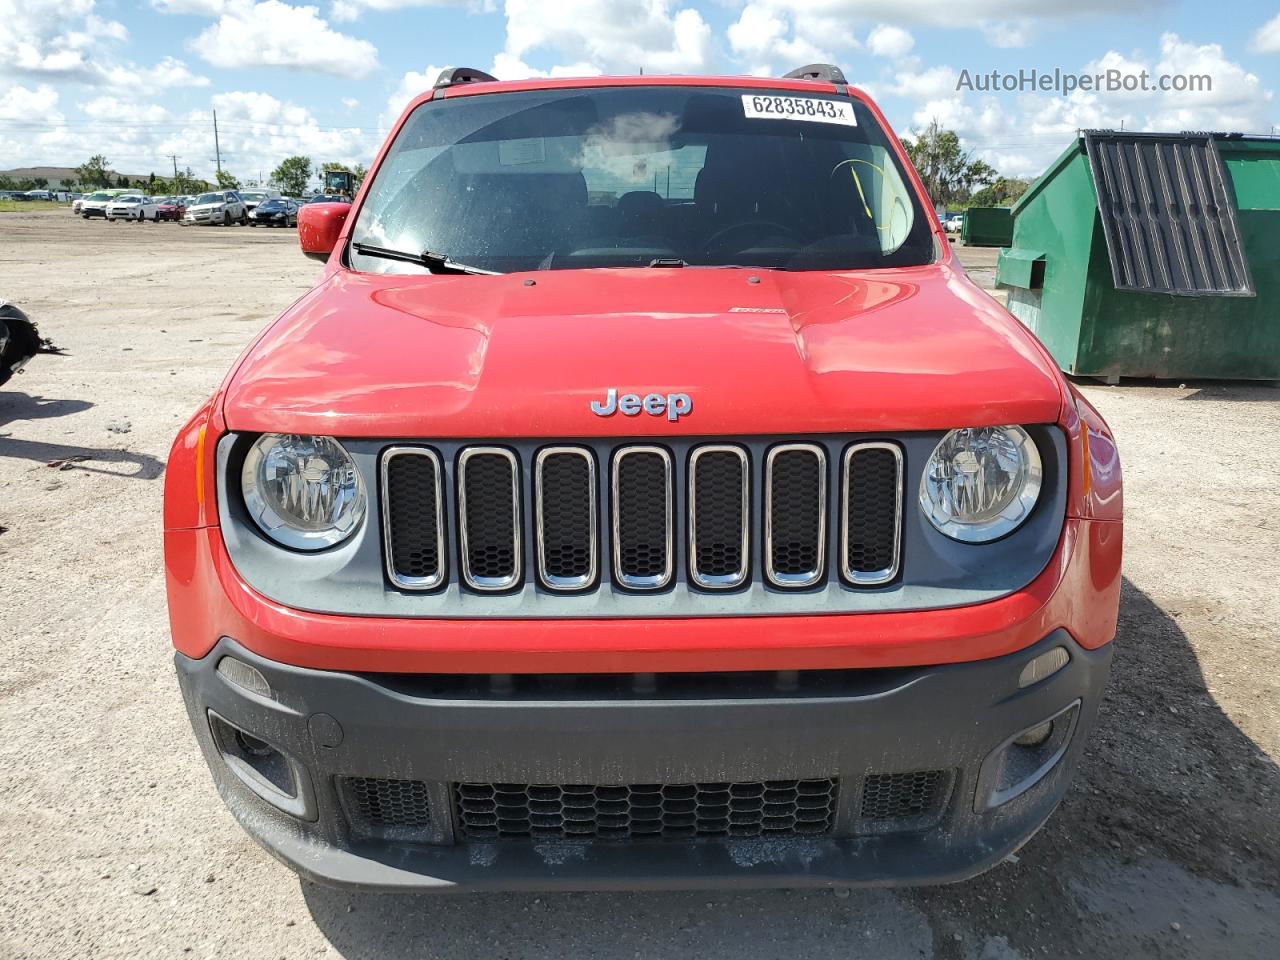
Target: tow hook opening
{"points": [[1025, 758]]}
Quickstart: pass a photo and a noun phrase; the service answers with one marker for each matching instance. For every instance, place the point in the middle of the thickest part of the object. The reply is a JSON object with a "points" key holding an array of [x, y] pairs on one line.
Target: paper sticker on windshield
{"points": [[512, 152], [771, 107]]}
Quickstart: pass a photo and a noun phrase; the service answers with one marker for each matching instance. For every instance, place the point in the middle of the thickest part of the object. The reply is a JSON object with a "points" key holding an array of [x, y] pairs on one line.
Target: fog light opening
{"points": [[253, 746], [1035, 736]]}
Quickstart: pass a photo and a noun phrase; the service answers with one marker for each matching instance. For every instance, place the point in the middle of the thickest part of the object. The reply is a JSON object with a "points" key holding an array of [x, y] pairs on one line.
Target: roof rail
{"points": [[452, 75], [819, 73]]}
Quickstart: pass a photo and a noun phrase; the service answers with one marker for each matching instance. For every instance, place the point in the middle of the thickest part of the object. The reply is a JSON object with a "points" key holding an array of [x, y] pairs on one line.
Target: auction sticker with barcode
{"points": [[772, 107]]}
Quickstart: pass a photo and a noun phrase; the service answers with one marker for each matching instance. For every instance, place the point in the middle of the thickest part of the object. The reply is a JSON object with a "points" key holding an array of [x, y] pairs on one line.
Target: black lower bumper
{"points": [[981, 798]]}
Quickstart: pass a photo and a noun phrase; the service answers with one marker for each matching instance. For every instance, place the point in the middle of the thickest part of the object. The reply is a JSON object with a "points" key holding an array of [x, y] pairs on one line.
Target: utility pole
{"points": [[176, 185], [217, 150]]}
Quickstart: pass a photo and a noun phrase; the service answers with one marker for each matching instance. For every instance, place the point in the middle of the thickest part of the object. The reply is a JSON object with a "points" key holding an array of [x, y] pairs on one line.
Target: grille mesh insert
{"points": [[643, 525], [796, 511], [719, 515], [772, 809], [565, 507], [872, 502], [413, 516], [489, 485], [903, 796], [387, 808]]}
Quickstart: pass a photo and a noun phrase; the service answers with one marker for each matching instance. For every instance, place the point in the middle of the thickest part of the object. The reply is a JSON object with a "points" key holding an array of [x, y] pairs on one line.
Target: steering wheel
{"points": [[716, 242]]}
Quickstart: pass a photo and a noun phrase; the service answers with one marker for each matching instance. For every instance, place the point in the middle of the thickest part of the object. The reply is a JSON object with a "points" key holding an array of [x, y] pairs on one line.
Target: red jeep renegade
{"points": [[643, 497]]}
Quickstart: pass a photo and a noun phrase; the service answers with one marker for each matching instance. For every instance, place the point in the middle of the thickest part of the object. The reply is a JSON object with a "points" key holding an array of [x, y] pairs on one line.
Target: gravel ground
{"points": [[113, 842]]}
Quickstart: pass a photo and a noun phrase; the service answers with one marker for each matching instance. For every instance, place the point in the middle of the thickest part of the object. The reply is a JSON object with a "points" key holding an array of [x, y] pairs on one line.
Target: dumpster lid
{"points": [[1168, 215]]}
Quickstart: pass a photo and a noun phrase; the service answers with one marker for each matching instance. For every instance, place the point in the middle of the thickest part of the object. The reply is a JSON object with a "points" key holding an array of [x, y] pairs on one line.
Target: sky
{"points": [[138, 80]]}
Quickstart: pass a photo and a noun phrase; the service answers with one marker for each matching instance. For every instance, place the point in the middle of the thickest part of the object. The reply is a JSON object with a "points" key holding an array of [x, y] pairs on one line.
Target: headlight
{"points": [[981, 482], [304, 492]]}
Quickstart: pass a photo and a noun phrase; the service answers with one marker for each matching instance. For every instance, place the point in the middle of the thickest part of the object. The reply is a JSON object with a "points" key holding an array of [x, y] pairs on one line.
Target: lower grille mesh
{"points": [[773, 808], [904, 796], [392, 809]]}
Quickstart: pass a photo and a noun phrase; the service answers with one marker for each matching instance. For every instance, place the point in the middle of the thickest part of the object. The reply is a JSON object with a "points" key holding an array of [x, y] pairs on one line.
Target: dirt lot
{"points": [[113, 842]]}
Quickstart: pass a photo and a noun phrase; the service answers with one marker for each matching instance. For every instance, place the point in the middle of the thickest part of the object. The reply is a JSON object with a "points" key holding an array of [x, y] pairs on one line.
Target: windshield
{"points": [[209, 198], [251, 194], [98, 196], [625, 176]]}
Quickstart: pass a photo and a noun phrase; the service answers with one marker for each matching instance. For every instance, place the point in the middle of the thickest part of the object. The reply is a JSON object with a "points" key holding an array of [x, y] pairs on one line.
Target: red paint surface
{"points": [[488, 357], [373, 355], [1079, 591]]}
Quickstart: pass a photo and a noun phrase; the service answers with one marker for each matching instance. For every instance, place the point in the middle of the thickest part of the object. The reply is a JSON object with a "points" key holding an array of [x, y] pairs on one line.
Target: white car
{"points": [[132, 208], [221, 207], [953, 223], [252, 198]]}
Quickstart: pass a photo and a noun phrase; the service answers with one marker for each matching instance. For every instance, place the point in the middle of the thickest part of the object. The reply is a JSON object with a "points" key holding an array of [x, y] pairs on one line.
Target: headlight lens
{"points": [[304, 492], [981, 482]]}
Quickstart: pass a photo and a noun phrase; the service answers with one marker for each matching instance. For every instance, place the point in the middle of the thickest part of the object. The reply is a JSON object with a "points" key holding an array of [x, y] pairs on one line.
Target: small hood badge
{"points": [[674, 405]]}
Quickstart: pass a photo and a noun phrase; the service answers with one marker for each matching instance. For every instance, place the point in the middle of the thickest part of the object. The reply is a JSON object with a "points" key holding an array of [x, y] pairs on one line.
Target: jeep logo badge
{"points": [[674, 405]]}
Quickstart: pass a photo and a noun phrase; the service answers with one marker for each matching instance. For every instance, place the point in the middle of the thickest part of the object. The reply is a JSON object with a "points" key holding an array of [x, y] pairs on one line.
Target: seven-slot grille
{"points": [[632, 531], [679, 811]]}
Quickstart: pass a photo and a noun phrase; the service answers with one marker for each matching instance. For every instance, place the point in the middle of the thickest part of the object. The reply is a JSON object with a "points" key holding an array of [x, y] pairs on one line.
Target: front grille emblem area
{"points": [[674, 405]]}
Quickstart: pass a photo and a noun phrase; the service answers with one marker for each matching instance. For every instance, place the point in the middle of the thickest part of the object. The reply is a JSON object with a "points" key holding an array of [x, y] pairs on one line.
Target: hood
{"points": [[524, 355], [207, 206]]}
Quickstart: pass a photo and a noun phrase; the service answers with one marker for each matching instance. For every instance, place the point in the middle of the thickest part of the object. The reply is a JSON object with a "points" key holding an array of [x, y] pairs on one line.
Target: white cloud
{"points": [[347, 10], [203, 8], [21, 103], [931, 84], [411, 84], [275, 34], [763, 36], [890, 41], [1020, 134], [351, 103], [66, 40], [508, 67], [1267, 39], [624, 36]]}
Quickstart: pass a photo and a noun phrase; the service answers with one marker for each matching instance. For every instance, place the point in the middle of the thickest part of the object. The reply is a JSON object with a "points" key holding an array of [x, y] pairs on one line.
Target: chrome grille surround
{"points": [[738, 577], [403, 581], [481, 582], [784, 579], [549, 580], [620, 576], [871, 578]]}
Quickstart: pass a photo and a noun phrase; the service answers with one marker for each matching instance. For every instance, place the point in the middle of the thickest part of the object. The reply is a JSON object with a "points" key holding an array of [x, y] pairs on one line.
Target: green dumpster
{"points": [[987, 227], [1153, 255]]}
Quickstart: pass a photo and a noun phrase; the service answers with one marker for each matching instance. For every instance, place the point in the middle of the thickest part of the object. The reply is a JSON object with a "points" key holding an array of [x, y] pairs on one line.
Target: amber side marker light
{"points": [[1043, 666], [245, 677]]}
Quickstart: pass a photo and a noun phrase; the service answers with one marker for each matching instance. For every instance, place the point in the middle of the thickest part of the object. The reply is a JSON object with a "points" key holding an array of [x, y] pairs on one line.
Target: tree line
{"points": [[291, 178], [953, 177]]}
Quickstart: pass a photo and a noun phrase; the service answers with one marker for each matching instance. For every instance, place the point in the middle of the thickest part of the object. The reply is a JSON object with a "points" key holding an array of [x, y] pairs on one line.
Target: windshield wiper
{"points": [[434, 262]]}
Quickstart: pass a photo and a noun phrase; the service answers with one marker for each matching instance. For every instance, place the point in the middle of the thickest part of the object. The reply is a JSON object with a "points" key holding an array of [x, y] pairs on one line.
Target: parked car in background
{"points": [[954, 223], [222, 207], [131, 208], [327, 198], [170, 208], [40, 195], [252, 198], [274, 212], [94, 205]]}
